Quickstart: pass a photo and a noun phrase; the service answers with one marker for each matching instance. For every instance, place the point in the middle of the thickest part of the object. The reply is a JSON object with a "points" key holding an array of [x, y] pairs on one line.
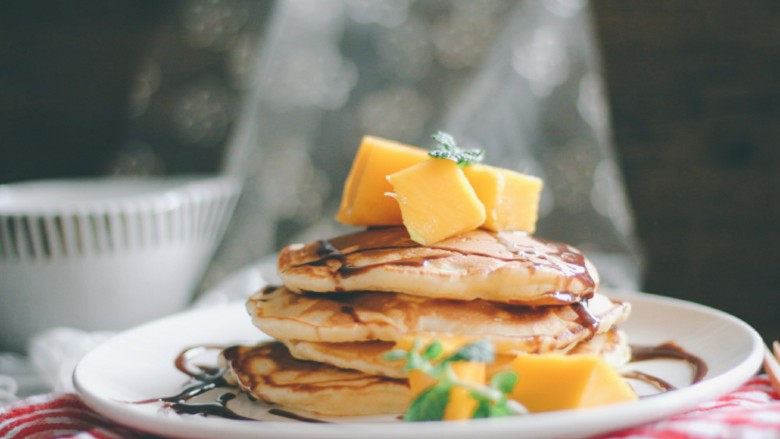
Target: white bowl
{"points": [[105, 254]]}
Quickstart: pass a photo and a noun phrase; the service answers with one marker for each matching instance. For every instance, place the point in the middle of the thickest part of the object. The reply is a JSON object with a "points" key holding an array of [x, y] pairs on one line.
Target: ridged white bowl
{"points": [[105, 254]]}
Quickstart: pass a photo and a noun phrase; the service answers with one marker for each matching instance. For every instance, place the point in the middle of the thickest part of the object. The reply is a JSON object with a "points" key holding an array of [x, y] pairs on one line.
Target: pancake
{"points": [[510, 267], [370, 316], [268, 372], [364, 356], [612, 346], [369, 356]]}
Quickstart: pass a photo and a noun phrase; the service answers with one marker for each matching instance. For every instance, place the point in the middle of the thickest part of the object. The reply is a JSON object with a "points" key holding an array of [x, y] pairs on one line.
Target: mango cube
{"points": [[419, 381], [460, 405], [363, 201], [558, 382], [436, 200], [511, 199]]}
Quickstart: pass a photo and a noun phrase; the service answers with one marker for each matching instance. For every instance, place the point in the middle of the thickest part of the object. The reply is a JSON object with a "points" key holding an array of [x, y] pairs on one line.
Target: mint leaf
{"points": [[504, 381], [415, 361], [445, 140], [500, 409], [480, 352], [483, 406], [433, 350], [449, 150], [430, 404], [489, 408], [395, 355]]}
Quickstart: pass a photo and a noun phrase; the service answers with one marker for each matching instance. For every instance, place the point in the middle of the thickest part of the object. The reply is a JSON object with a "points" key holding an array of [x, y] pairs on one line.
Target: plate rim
{"points": [[661, 406]]}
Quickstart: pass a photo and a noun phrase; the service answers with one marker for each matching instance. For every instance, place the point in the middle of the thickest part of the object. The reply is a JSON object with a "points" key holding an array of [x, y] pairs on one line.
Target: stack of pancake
{"points": [[347, 301]]}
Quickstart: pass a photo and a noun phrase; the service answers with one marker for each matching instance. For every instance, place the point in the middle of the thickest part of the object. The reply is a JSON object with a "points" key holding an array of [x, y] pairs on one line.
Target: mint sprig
{"points": [[448, 149], [430, 404]]}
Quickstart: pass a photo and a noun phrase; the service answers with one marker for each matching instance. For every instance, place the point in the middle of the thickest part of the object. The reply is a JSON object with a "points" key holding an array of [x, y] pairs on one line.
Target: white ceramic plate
{"points": [[139, 365]]}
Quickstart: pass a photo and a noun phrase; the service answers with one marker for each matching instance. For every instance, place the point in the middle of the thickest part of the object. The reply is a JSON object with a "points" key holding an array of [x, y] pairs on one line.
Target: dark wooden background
{"points": [[694, 87]]}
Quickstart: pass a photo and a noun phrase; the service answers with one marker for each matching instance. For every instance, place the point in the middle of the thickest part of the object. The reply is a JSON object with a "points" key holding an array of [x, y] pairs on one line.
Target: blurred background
{"points": [[133, 87]]}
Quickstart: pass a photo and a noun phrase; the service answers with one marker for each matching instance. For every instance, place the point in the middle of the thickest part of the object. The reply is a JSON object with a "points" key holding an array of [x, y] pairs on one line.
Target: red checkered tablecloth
{"points": [[752, 411]]}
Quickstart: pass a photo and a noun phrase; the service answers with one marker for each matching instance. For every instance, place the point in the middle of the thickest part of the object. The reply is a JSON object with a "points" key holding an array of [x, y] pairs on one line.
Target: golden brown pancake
{"points": [[612, 346], [369, 316], [369, 356], [268, 372], [510, 267], [365, 356]]}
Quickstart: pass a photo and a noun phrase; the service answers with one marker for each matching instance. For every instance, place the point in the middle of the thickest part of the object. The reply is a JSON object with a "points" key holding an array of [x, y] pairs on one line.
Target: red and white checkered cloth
{"points": [[57, 415], [752, 411]]}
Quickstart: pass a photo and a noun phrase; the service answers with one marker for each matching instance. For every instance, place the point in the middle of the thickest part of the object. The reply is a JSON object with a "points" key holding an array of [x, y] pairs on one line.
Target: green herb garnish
{"points": [[430, 405], [448, 149]]}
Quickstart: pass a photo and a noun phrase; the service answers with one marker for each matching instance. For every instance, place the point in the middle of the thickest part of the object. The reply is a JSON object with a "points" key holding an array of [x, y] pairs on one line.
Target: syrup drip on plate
{"points": [[670, 350], [207, 378], [659, 383], [665, 351], [295, 416], [210, 378], [216, 408]]}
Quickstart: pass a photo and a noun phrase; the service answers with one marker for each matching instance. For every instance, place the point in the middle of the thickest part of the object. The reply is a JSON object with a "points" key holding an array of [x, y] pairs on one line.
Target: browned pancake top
{"points": [[511, 267], [389, 316]]}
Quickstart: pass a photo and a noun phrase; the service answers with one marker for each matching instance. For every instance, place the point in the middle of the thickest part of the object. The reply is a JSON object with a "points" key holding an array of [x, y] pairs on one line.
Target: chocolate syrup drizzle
{"points": [[295, 416], [672, 351], [335, 256], [659, 383], [209, 378], [668, 351], [586, 318], [217, 408]]}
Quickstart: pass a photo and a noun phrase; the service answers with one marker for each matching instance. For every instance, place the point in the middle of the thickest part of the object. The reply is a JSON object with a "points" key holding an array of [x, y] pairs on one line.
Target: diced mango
{"points": [[460, 405], [419, 381], [511, 199], [436, 200], [363, 201], [559, 382]]}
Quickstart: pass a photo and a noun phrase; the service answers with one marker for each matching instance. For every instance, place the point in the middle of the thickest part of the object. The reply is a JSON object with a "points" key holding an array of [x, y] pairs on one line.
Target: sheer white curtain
{"points": [[520, 79]]}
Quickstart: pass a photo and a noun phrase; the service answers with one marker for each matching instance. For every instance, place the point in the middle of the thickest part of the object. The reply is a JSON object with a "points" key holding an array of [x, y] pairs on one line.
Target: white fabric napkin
{"points": [[54, 353]]}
